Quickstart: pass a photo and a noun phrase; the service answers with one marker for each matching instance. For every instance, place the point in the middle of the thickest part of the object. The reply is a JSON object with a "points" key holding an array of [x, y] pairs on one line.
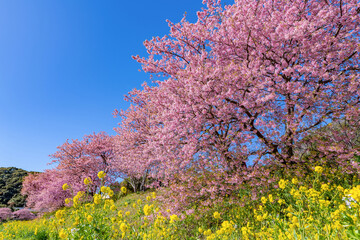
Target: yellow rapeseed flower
{"points": [[147, 210], [123, 227], [294, 180], [87, 181], [120, 212], [211, 237], [216, 215], [340, 188], [173, 218], [355, 193], [228, 227], [310, 218], [77, 221], [207, 232], [59, 214], [110, 192], [65, 186], [62, 234], [89, 218], [342, 208], [104, 189], [324, 187], [101, 174], [97, 198], [337, 225], [282, 183], [319, 169]]}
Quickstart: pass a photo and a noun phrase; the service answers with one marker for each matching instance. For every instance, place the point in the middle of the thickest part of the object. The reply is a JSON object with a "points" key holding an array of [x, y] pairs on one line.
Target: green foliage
{"points": [[10, 187]]}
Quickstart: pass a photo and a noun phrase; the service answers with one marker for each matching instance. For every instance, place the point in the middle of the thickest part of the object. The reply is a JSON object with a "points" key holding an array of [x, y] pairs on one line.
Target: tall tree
{"points": [[247, 81], [261, 74]]}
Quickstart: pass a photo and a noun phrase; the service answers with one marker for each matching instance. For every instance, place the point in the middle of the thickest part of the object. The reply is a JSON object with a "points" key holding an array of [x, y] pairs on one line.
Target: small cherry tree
{"points": [[76, 160], [85, 158], [44, 190]]}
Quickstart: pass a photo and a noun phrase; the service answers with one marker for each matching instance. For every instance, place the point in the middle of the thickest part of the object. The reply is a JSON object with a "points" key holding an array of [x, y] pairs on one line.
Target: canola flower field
{"points": [[324, 205]]}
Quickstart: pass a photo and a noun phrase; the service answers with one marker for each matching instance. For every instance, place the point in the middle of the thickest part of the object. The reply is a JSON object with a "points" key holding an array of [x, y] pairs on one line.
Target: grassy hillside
{"points": [[323, 205]]}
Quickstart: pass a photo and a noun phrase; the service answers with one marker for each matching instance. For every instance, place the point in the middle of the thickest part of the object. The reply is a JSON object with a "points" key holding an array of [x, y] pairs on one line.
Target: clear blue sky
{"points": [[65, 65]]}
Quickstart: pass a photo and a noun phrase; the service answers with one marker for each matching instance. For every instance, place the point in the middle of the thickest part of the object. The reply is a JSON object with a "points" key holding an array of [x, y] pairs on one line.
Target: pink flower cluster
{"points": [[5, 214], [22, 214]]}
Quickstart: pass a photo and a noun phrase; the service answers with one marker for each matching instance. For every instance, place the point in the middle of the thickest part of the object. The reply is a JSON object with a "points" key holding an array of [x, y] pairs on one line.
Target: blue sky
{"points": [[65, 65]]}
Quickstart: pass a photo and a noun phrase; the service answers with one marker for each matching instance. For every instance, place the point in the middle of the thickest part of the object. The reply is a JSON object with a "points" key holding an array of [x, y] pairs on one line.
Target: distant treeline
{"points": [[10, 187]]}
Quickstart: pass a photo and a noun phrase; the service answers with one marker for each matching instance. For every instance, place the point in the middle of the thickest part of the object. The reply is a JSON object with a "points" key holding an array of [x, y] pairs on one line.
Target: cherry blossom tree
{"points": [[85, 158], [76, 160], [257, 76], [134, 158], [44, 190], [246, 82]]}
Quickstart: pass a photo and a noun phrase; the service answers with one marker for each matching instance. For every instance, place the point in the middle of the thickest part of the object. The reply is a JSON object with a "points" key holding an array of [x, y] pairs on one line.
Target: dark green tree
{"points": [[10, 187]]}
